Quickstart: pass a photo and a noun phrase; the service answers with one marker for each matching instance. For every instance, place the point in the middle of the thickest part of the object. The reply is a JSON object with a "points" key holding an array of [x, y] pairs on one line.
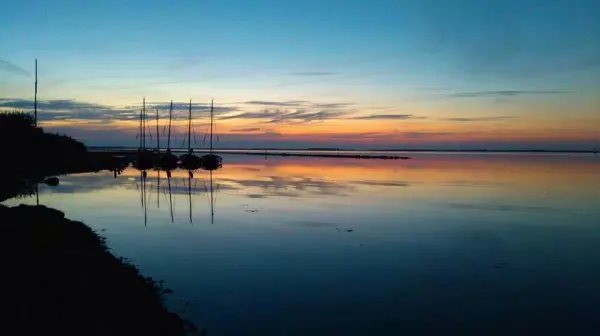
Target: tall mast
{"points": [[169, 135], [211, 126], [144, 123], [157, 134], [35, 96], [190, 129], [141, 122]]}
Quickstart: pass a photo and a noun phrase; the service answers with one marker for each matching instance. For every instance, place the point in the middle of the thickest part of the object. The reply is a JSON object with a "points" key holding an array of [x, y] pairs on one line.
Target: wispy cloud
{"points": [[419, 135], [332, 105], [285, 116], [388, 117], [184, 106], [57, 104], [67, 109], [249, 129], [13, 68], [288, 103], [504, 93], [495, 118]]}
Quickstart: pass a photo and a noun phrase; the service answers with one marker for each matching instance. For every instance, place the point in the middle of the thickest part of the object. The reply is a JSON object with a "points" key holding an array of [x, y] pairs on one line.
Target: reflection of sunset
{"points": [[423, 169]]}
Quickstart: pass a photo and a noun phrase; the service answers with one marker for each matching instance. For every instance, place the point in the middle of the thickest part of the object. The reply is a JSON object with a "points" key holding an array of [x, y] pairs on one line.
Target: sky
{"points": [[463, 74]]}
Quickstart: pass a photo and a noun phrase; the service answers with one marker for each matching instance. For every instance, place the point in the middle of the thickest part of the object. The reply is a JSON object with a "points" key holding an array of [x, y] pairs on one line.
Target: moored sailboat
{"points": [[211, 161], [190, 161], [168, 161], [145, 158]]}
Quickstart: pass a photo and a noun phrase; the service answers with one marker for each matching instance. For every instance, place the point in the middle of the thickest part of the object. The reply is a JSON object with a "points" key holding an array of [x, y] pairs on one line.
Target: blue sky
{"points": [[537, 62]]}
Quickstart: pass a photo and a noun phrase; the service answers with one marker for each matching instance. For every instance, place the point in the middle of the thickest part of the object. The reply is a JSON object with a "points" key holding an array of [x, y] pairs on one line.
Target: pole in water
{"points": [[35, 95]]}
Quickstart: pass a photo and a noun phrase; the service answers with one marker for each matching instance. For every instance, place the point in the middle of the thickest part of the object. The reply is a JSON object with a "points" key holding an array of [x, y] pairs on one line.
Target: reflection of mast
{"points": [[170, 198], [143, 192], [213, 198], [158, 189], [190, 195]]}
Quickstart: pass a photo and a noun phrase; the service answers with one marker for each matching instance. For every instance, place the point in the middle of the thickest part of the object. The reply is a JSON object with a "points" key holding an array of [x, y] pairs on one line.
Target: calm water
{"points": [[441, 244]]}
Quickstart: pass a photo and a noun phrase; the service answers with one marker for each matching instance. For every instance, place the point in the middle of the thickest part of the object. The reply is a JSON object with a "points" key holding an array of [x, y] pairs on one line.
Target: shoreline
{"points": [[61, 275]]}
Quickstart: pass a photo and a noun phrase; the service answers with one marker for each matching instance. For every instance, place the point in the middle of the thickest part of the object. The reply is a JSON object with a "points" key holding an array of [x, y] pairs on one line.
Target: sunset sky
{"points": [[329, 73]]}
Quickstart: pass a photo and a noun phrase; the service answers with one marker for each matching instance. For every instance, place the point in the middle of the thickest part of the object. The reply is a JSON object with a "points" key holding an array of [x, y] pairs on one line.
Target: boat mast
{"points": [[35, 95], [141, 116], [157, 134], [169, 135], [211, 126], [190, 129], [144, 123]]}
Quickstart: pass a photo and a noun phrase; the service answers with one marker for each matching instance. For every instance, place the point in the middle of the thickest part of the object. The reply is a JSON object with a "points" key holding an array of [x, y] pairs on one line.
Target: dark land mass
{"points": [[58, 276], [28, 151]]}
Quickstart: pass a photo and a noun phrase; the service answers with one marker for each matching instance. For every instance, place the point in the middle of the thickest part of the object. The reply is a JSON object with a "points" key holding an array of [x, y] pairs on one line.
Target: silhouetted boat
{"points": [[168, 161], [144, 159], [211, 161], [190, 161]]}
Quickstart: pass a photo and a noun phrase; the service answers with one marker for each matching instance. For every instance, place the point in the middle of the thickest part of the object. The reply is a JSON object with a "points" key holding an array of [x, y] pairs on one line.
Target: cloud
{"points": [[289, 103], [503, 93], [497, 118], [69, 109], [388, 117], [57, 104], [65, 109], [13, 68], [418, 135], [249, 129], [179, 107], [285, 116], [332, 105]]}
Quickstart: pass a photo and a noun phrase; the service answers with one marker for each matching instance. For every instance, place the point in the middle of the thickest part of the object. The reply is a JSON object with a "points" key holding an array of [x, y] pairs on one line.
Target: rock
{"points": [[52, 181]]}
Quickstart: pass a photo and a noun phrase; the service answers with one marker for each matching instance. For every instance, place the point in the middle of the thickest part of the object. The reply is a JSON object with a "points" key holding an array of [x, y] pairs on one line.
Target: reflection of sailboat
{"points": [[142, 187], [211, 161], [212, 197], [170, 198], [168, 161], [190, 161], [189, 192]]}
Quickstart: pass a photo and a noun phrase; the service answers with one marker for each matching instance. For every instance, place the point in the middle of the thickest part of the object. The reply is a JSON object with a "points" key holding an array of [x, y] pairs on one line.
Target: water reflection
{"points": [[307, 246], [184, 183]]}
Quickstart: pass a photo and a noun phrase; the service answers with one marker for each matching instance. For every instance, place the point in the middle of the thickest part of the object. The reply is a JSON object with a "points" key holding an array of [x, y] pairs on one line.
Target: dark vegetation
{"points": [[58, 276], [66, 282], [28, 151], [29, 155]]}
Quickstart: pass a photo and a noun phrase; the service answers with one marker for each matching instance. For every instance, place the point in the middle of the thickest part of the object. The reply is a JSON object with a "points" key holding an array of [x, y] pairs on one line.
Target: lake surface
{"points": [[480, 244]]}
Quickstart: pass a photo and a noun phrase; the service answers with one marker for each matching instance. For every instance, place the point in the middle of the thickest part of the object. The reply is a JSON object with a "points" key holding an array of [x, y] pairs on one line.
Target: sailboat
{"points": [[144, 160], [211, 161], [168, 161], [190, 161]]}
